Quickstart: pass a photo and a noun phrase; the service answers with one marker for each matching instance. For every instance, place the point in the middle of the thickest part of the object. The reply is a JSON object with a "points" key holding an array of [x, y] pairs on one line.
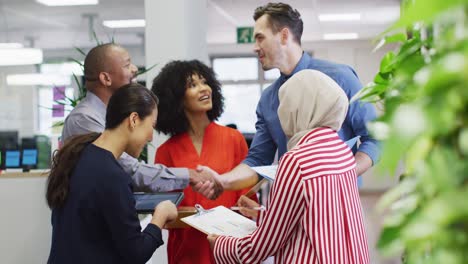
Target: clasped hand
{"points": [[206, 181]]}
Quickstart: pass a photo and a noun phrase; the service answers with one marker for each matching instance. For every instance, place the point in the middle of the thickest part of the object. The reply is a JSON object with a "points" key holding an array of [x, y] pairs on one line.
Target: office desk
{"points": [[33, 174], [25, 225]]}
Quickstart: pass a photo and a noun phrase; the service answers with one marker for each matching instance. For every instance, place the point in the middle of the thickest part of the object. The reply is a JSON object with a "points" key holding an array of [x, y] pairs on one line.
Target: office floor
{"points": [[373, 223]]}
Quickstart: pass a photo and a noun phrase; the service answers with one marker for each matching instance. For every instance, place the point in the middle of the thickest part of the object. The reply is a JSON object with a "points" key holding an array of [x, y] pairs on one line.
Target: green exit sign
{"points": [[245, 35]]}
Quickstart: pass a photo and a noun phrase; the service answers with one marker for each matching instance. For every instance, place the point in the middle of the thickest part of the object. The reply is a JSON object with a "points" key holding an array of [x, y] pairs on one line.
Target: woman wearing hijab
{"points": [[314, 213]]}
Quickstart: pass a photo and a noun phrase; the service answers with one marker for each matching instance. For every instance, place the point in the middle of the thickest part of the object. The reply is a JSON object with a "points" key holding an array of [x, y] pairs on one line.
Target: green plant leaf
{"points": [[60, 103], [81, 88], [382, 78], [426, 11], [428, 217], [389, 241], [143, 71], [387, 63], [398, 37], [98, 42], [77, 62], [80, 51], [58, 124]]}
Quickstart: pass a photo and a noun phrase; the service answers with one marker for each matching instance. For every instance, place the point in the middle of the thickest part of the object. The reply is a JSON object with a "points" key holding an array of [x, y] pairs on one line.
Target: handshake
{"points": [[206, 181]]}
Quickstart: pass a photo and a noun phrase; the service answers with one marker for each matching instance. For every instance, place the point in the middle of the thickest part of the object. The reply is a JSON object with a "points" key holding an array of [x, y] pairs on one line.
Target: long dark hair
{"points": [[126, 100], [170, 86], [63, 165]]}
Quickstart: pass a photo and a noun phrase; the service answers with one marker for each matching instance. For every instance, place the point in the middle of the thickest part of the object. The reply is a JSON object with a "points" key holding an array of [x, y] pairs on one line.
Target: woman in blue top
{"points": [[93, 210]]}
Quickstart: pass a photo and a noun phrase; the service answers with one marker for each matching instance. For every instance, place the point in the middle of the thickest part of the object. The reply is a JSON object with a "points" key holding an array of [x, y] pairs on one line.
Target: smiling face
{"points": [[121, 69], [267, 44], [141, 132], [197, 95]]}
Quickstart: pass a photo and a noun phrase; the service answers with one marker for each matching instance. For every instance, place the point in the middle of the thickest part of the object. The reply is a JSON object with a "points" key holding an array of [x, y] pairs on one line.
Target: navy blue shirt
{"points": [[270, 136], [99, 223]]}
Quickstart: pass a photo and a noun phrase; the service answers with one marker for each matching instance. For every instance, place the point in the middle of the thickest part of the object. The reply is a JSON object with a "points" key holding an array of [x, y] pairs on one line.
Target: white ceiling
{"points": [[66, 27]]}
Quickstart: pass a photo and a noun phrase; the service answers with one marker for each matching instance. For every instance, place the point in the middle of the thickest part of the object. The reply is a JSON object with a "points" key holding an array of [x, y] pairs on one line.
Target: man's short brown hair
{"points": [[282, 15]]}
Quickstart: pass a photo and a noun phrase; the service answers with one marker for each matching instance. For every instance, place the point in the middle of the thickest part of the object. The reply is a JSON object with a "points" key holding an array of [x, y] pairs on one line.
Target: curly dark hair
{"points": [[282, 15], [170, 86]]}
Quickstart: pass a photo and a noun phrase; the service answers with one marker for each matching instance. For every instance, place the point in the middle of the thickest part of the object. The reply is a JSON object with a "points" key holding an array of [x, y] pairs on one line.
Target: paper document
{"points": [[221, 221], [269, 172], [352, 141]]}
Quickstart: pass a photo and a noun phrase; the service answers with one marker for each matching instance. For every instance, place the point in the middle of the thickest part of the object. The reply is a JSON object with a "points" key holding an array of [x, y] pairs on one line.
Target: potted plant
{"points": [[423, 87]]}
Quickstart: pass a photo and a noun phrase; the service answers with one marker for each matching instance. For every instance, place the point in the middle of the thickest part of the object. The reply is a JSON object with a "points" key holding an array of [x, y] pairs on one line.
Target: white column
{"points": [[175, 30]]}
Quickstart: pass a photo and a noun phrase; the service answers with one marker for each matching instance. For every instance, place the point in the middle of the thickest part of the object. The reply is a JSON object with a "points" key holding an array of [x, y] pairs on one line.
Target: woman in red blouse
{"points": [[190, 101], [314, 213]]}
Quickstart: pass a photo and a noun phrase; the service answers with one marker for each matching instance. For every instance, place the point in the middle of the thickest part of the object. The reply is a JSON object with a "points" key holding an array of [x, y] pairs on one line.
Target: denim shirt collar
{"points": [[301, 65]]}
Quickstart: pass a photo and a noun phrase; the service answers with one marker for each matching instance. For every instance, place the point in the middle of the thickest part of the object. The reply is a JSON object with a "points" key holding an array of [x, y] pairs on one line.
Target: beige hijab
{"points": [[310, 99]]}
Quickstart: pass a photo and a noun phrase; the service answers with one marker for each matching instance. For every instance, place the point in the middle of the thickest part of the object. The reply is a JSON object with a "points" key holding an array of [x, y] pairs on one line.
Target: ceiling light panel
{"points": [[68, 2], [30, 79], [339, 17], [129, 23], [11, 45], [26, 56], [340, 36]]}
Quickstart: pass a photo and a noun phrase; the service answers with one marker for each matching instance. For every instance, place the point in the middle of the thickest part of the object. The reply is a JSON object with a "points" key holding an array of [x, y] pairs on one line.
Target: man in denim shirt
{"points": [[277, 32]]}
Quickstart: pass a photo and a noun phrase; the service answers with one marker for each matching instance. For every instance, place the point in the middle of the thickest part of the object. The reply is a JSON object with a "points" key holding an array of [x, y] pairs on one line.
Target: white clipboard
{"points": [[220, 221]]}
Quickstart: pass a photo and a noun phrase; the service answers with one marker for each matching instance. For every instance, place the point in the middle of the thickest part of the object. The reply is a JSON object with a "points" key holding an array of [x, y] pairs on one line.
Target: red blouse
{"points": [[223, 149]]}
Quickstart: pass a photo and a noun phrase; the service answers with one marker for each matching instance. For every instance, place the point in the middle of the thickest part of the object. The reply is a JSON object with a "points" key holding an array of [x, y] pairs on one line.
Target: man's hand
{"points": [[363, 162], [212, 240], [217, 184], [205, 181]]}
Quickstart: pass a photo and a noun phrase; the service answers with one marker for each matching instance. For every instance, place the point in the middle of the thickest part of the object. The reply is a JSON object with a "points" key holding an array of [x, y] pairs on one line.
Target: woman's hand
{"points": [[212, 240], [164, 212], [245, 205]]}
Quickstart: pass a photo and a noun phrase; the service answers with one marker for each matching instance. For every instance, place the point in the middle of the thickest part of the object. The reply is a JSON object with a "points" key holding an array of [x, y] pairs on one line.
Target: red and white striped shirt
{"points": [[314, 213]]}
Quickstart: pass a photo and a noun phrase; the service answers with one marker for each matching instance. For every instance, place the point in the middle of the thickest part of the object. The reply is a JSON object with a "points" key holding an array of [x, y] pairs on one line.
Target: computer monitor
{"points": [[29, 158], [28, 143], [8, 140], [12, 159]]}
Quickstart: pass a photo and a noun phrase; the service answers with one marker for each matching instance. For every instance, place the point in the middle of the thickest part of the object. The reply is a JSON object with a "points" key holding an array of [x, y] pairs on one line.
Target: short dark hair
{"points": [[127, 99], [170, 86], [282, 15]]}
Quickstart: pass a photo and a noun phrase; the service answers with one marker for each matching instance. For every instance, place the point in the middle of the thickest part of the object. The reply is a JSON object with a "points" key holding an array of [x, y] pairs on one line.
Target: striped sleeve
{"points": [[260, 217], [278, 223], [225, 250]]}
